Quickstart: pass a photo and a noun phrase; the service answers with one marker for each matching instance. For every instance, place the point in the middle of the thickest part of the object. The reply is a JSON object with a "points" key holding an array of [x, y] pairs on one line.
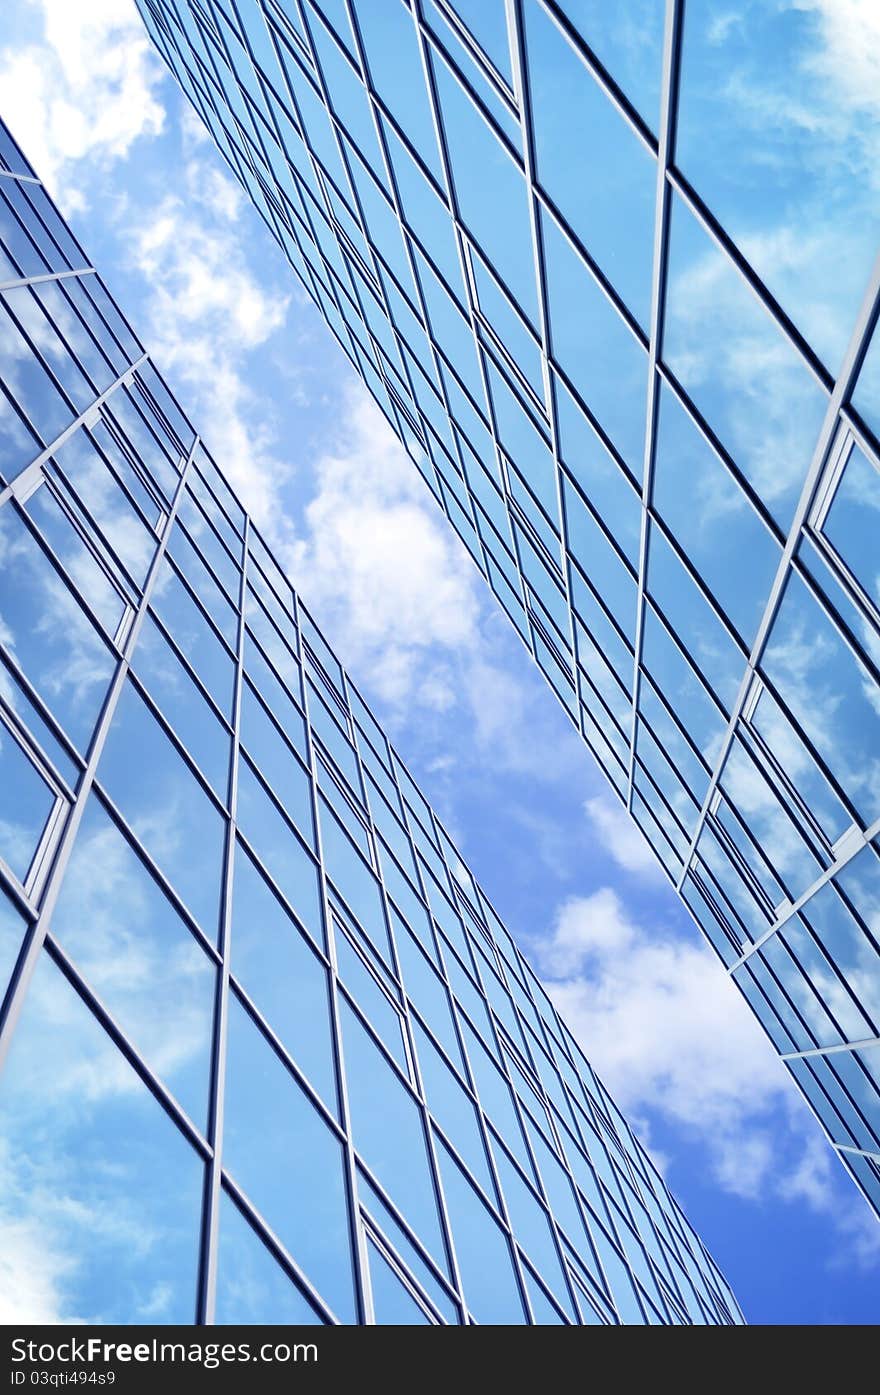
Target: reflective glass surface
{"points": [[626, 250], [234, 933]]}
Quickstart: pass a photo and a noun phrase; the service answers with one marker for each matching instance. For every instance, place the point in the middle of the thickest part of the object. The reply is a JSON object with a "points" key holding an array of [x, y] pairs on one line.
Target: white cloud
{"points": [[670, 1035], [88, 92], [621, 837], [381, 569]]}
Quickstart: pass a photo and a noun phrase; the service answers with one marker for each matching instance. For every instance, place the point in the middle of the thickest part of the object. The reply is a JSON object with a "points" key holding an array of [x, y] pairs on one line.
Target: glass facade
{"points": [[269, 1053], [609, 270]]}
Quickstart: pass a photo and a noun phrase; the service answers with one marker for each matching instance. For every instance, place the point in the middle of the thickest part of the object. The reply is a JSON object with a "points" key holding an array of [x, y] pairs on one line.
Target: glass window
{"points": [[181, 703], [354, 880], [405, 1248], [388, 1132], [280, 1150], [165, 806], [483, 1251], [133, 949], [194, 637], [26, 801], [392, 56], [252, 1288], [392, 1301], [830, 694], [282, 976], [87, 473], [594, 347], [712, 519], [774, 129], [591, 162], [852, 521], [749, 383], [276, 761], [101, 1191], [377, 1007], [696, 624], [12, 931], [195, 570], [47, 634], [453, 1111]]}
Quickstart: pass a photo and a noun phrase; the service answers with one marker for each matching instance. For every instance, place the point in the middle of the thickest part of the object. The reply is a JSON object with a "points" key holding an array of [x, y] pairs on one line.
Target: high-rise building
{"points": [[610, 271], [268, 1052]]}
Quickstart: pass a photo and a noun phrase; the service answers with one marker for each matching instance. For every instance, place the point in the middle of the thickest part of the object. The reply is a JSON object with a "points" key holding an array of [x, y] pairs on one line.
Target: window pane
{"points": [[279, 1149], [482, 1249], [278, 847], [47, 634], [252, 1288], [282, 975], [392, 1301], [103, 1196], [166, 806], [144, 964], [388, 1133], [26, 802]]}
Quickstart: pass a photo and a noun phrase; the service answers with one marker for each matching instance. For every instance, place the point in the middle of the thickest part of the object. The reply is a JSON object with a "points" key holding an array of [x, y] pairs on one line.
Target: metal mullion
{"points": [[92, 536], [418, 1245], [224, 546], [267, 1236], [860, 1152], [22, 178], [62, 474], [210, 1232], [479, 57], [34, 940], [315, 165], [47, 276], [360, 1266], [206, 563], [662, 207], [200, 605], [47, 451], [853, 848], [831, 1050], [404, 1274], [848, 372]]}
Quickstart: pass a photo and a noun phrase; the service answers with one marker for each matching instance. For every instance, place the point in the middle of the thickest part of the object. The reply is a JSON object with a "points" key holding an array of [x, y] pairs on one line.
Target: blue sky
{"points": [[278, 405]]}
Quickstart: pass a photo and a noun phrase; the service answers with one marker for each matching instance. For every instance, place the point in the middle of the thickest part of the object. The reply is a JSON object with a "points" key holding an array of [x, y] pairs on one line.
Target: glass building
{"points": [[610, 270], [269, 1053]]}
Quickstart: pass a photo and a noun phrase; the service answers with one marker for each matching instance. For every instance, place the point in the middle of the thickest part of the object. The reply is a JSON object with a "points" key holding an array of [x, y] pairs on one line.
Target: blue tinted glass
{"points": [[749, 383], [285, 979], [283, 1154], [483, 1251], [165, 805], [252, 1288], [773, 129], [136, 953], [26, 802], [594, 347], [388, 1132], [585, 145], [101, 1188], [392, 1301]]}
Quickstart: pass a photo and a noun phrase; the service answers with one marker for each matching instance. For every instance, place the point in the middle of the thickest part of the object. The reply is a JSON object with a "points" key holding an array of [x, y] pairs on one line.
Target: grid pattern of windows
{"points": [[269, 1054], [652, 419]]}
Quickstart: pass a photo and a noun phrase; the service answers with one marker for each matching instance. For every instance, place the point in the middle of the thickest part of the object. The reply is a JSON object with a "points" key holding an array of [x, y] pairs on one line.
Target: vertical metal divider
{"points": [[866, 320], [66, 275], [210, 1236], [522, 87], [663, 198], [33, 943], [445, 1222], [363, 1291]]}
